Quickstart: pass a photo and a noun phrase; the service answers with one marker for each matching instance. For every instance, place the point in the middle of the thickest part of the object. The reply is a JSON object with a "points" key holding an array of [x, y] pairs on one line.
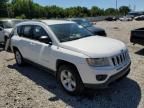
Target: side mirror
{"points": [[45, 39]]}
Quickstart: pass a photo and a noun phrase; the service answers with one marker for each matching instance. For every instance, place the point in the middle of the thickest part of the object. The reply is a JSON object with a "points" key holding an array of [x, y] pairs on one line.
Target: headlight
{"points": [[98, 62]]}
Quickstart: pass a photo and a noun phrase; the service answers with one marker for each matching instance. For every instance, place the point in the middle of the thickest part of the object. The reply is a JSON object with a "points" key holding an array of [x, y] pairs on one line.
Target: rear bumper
{"points": [[137, 36], [137, 41], [112, 79]]}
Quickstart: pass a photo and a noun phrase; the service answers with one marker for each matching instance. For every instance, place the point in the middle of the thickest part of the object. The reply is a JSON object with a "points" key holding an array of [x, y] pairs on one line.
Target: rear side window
{"points": [[1, 29], [1, 24], [19, 30]]}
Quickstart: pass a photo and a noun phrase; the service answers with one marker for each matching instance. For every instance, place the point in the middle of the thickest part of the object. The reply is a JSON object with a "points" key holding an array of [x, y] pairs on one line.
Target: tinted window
{"points": [[1, 24], [27, 31], [38, 31], [19, 30], [1, 29]]}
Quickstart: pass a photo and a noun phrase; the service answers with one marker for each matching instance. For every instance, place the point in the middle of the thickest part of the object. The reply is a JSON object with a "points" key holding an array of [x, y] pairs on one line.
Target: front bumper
{"points": [[123, 73]]}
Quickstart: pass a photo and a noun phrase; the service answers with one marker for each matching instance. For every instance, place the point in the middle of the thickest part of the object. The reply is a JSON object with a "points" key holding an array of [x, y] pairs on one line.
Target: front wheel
{"points": [[19, 58], [70, 80], [5, 41]]}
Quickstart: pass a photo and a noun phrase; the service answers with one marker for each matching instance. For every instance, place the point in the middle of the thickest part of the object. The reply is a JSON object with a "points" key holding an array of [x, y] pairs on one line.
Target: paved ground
{"points": [[29, 87]]}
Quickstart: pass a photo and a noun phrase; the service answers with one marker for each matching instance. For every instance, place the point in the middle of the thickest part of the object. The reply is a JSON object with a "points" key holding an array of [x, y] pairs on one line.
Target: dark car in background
{"points": [[137, 36], [111, 18], [89, 26], [139, 18]]}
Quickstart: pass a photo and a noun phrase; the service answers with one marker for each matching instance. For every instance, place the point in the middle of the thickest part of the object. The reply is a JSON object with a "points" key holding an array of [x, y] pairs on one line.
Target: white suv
{"points": [[76, 57]]}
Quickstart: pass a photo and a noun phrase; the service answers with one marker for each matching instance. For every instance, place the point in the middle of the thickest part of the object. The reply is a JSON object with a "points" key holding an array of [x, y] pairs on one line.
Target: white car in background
{"points": [[1, 35], [6, 26], [126, 18], [76, 57]]}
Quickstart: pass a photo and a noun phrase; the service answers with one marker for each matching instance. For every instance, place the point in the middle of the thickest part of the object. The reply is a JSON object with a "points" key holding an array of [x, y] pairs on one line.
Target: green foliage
{"points": [[21, 17], [96, 11], [124, 10], [29, 9], [111, 11], [3, 8], [76, 12]]}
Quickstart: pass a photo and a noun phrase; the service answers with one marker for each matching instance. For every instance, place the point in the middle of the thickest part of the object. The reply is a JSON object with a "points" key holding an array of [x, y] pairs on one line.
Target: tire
{"points": [[5, 41], [19, 58], [70, 80]]}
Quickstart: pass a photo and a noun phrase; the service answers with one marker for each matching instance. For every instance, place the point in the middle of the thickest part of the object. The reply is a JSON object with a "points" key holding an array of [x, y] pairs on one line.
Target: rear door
{"points": [[25, 45]]}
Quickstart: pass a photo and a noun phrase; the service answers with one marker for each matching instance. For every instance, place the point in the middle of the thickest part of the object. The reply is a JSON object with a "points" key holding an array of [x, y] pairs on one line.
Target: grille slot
{"points": [[120, 59]]}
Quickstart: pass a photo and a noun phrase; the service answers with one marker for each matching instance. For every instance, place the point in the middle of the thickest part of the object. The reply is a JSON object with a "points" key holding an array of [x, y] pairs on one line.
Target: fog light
{"points": [[101, 77]]}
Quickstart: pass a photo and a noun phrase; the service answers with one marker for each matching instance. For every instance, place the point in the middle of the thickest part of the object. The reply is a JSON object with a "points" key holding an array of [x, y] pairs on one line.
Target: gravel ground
{"points": [[29, 87]]}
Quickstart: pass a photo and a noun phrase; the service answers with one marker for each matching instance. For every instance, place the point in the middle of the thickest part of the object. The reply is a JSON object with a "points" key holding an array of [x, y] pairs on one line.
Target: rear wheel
{"points": [[70, 80]]}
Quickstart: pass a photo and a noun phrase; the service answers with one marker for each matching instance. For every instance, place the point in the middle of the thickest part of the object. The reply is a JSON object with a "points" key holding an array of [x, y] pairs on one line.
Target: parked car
{"points": [[137, 36], [126, 18], [76, 57], [1, 35], [111, 19], [139, 18], [7, 25], [89, 26]]}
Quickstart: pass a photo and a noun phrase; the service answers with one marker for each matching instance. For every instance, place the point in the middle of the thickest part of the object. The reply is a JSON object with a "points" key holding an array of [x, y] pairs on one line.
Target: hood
{"points": [[95, 46]]}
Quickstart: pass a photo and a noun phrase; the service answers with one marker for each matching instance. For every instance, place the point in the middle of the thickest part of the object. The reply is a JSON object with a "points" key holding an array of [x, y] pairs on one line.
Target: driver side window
{"points": [[38, 31]]}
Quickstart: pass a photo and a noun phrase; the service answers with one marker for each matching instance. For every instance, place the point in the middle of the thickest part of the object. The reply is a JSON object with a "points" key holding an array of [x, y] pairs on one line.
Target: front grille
{"points": [[120, 59]]}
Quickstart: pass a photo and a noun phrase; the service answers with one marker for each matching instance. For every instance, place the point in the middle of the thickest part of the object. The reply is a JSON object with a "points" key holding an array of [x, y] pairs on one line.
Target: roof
{"points": [[52, 22], [47, 22], [76, 19]]}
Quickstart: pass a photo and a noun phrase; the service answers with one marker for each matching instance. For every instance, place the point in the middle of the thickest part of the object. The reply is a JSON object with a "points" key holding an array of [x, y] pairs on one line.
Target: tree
{"points": [[123, 10], [23, 7], [3, 8], [111, 11], [96, 11], [54, 12], [29, 9]]}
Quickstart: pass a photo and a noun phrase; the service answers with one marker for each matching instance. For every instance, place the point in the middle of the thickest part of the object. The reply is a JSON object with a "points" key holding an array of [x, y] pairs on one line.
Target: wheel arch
{"points": [[60, 62], [15, 48]]}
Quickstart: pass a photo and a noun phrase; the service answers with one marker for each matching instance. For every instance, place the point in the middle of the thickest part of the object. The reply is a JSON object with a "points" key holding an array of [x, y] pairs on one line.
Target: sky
{"points": [[138, 4]]}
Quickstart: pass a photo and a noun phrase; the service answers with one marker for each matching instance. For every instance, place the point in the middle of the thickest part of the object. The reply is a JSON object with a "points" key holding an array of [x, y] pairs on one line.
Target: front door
{"points": [[41, 51]]}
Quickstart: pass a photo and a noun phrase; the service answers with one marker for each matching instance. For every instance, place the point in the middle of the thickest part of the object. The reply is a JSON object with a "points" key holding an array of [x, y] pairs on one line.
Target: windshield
{"points": [[69, 32], [9, 24], [83, 22]]}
